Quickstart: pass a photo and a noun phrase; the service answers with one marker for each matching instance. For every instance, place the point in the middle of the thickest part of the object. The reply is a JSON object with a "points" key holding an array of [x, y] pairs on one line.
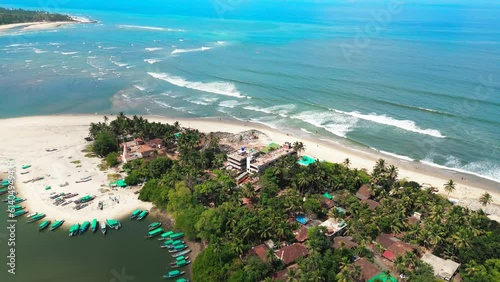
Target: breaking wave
{"points": [[177, 51], [218, 87], [408, 125]]}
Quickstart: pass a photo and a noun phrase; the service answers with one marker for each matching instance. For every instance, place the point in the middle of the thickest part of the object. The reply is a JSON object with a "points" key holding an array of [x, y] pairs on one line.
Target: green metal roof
{"points": [[328, 196], [382, 277]]}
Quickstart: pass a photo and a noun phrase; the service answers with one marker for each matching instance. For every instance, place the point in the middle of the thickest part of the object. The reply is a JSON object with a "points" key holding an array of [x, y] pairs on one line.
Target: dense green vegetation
{"points": [[206, 204], [10, 16]]}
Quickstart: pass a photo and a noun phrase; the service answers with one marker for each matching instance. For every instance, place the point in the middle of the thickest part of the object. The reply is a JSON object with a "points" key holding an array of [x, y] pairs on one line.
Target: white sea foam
{"points": [[152, 61], [484, 169], [220, 42], [141, 27], [109, 48], [152, 49], [38, 51], [218, 87], [282, 110], [203, 48], [306, 131], [229, 104], [118, 63], [396, 155], [197, 102], [150, 28], [408, 125], [28, 61], [69, 53], [140, 88], [20, 45], [334, 123]]}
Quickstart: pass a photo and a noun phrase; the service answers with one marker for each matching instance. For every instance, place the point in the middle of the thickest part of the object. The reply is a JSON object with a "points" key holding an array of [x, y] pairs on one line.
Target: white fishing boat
{"points": [[32, 215], [103, 228]]}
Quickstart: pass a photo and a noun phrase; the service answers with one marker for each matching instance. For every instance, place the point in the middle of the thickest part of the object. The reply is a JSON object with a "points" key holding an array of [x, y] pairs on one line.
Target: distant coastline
{"points": [[35, 20]]}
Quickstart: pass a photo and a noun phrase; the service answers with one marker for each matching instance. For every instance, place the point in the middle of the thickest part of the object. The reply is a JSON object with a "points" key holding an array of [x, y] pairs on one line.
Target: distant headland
{"points": [[35, 20]]}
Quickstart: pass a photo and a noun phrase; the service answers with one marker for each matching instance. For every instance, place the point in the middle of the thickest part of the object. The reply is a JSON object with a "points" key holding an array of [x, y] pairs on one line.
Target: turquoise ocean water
{"points": [[416, 79]]}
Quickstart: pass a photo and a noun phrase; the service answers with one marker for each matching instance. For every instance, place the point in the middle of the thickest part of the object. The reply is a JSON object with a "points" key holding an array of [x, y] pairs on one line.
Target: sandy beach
{"points": [[25, 141], [31, 26]]}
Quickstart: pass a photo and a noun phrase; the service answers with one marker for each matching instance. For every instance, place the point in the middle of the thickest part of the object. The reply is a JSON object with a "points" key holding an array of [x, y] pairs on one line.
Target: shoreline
{"points": [[66, 132], [28, 26]]}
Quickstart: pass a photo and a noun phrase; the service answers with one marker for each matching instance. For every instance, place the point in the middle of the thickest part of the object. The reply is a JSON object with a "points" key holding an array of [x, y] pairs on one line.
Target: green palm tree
{"points": [[486, 199], [450, 186], [347, 163], [379, 167], [293, 275], [298, 146]]}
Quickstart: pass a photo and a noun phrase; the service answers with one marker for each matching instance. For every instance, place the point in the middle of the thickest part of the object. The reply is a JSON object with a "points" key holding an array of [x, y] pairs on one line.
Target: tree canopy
{"points": [[11, 16]]}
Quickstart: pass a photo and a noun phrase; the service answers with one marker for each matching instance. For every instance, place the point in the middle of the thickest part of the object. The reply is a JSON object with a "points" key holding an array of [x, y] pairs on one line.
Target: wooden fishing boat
{"points": [[15, 208], [177, 236], [36, 217], [166, 235], [19, 213], [103, 228], [181, 253], [154, 233], [83, 180], [85, 225], [174, 273], [43, 225], [113, 223], [177, 248], [154, 225], [94, 225], [179, 259], [74, 229], [135, 214], [175, 243], [56, 224], [181, 263], [142, 215]]}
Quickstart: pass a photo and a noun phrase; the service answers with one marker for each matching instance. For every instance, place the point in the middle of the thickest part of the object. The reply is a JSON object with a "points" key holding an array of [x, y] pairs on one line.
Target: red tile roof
{"points": [[400, 248], [368, 269], [291, 253], [260, 251], [364, 192], [301, 234], [145, 149], [156, 141], [386, 240], [371, 204], [388, 255], [348, 243], [281, 275], [328, 203]]}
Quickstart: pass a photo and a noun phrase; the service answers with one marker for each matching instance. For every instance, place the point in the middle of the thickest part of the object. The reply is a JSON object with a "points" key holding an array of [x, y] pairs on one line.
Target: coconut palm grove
{"points": [[319, 222]]}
